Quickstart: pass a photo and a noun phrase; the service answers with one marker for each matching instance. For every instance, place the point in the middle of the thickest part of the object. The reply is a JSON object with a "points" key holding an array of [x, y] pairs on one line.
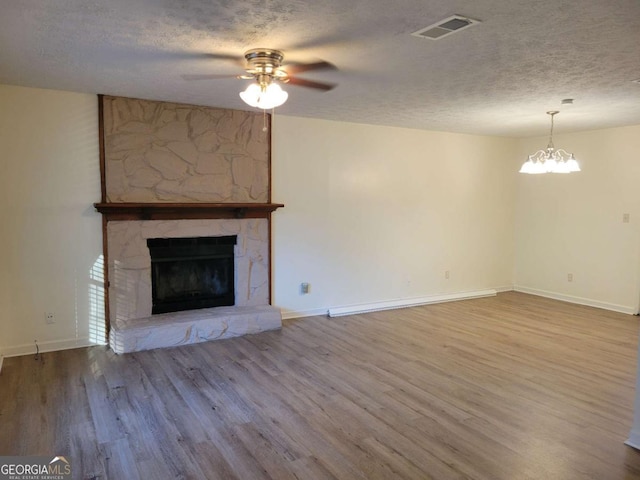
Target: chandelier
{"points": [[550, 160]]}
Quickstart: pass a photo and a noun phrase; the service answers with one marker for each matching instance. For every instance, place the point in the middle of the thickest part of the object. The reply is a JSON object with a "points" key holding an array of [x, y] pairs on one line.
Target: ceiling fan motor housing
{"points": [[265, 61]]}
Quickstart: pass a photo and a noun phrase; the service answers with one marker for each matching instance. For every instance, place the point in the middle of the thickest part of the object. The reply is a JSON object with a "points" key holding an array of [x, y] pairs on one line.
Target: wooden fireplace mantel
{"points": [[181, 211]]}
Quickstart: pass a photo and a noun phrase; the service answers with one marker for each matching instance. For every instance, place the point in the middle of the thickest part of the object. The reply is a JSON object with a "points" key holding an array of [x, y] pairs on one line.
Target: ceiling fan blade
{"points": [[301, 82], [293, 68], [222, 56], [226, 56], [206, 76]]}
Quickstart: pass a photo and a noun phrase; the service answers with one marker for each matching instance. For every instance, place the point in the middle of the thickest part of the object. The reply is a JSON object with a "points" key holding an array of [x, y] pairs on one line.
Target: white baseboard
{"points": [[408, 302], [633, 440], [289, 314], [578, 300], [43, 347]]}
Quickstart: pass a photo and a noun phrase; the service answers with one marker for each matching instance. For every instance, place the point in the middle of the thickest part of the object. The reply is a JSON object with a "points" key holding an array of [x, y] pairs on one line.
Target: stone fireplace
{"points": [[177, 174]]}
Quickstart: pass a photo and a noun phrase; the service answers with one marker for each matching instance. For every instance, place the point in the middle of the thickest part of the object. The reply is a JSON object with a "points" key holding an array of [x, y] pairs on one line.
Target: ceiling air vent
{"points": [[445, 27]]}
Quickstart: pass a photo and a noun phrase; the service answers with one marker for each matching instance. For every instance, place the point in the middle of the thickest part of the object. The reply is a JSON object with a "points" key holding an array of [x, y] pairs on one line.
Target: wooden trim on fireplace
{"points": [[270, 259], [105, 260], [103, 177], [103, 198], [269, 158], [184, 211]]}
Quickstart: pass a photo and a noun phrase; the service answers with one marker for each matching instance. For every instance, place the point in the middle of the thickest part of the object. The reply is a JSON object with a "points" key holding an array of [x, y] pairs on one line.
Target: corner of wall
{"points": [[629, 310], [505, 288]]}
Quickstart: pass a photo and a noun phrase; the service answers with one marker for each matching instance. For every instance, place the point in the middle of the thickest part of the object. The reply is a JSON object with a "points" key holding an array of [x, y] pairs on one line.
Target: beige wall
{"points": [[406, 205], [51, 236], [573, 223], [379, 214]]}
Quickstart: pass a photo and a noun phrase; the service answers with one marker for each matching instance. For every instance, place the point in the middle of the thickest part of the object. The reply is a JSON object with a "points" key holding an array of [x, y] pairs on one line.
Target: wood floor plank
{"points": [[501, 388]]}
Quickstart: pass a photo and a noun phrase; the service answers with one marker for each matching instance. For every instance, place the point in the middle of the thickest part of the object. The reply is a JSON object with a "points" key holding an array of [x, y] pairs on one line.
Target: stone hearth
{"points": [[192, 326]]}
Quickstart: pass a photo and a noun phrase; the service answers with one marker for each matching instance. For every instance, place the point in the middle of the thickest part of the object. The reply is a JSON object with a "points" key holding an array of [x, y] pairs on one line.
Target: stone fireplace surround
{"points": [[174, 171], [133, 327]]}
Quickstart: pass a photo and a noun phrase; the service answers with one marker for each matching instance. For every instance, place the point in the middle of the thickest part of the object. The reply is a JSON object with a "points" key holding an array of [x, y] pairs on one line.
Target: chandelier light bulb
{"points": [[572, 164]]}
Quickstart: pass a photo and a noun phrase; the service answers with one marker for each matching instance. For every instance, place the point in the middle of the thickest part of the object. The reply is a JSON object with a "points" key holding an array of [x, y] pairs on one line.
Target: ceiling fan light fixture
{"points": [[265, 96], [264, 67]]}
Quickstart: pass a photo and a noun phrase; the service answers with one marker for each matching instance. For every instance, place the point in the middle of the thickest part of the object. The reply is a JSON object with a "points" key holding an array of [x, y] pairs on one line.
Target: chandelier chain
{"points": [[552, 113]]}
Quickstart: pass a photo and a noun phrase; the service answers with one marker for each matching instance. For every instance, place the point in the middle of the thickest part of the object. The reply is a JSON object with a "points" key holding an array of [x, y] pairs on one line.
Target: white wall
{"points": [[372, 214], [51, 237], [378, 213], [573, 223]]}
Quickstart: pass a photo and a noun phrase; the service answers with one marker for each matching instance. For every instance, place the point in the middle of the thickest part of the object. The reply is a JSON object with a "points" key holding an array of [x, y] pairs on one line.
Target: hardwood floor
{"points": [[509, 387]]}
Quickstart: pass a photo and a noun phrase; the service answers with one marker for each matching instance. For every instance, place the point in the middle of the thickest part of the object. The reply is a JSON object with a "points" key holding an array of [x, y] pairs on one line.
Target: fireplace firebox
{"points": [[192, 273]]}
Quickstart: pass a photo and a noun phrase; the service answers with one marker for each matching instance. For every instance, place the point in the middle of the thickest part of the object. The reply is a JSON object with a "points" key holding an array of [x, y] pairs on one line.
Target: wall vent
{"points": [[445, 27]]}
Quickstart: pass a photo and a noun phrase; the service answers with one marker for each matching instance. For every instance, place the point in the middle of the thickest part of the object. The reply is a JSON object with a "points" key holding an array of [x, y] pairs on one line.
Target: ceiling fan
{"points": [[264, 66]]}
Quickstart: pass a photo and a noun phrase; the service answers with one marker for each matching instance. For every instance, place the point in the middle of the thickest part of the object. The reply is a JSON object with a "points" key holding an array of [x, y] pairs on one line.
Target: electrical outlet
{"points": [[625, 218], [304, 288], [446, 274], [49, 317], [569, 277]]}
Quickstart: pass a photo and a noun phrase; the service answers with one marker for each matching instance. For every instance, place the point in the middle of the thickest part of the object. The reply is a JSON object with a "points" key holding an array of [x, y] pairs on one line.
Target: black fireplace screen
{"points": [[191, 273]]}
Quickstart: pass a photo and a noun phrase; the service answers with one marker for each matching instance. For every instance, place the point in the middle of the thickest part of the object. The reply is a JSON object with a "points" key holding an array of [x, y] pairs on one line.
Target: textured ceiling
{"points": [[496, 78]]}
